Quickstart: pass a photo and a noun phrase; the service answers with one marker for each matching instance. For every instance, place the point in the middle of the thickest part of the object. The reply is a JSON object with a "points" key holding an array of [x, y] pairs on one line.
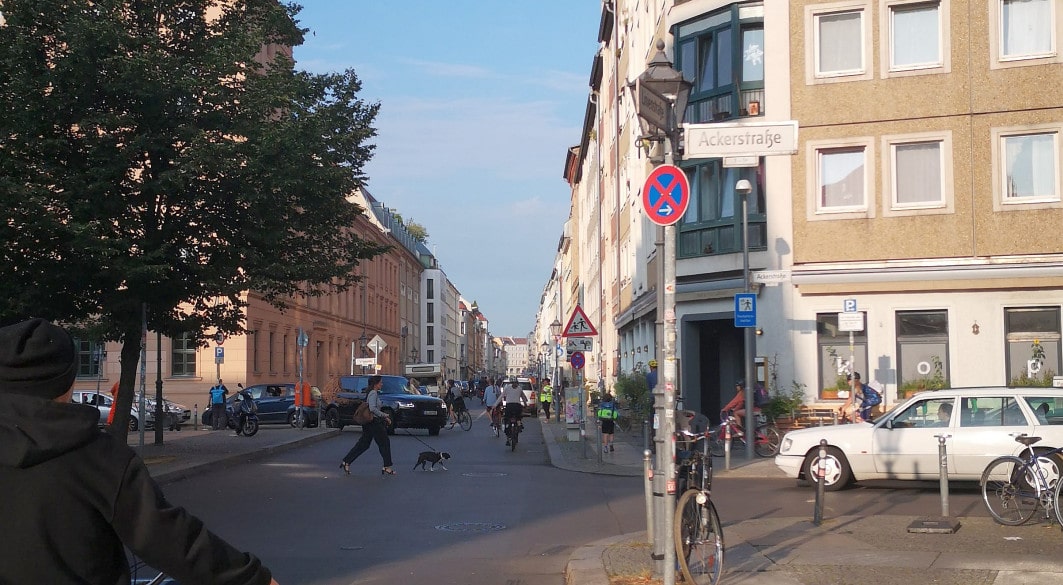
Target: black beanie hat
{"points": [[36, 359]]}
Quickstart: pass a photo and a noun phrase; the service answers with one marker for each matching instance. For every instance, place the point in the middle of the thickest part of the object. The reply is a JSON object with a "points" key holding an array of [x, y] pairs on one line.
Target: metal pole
{"points": [[142, 404], [671, 384], [748, 337], [647, 469], [821, 474], [160, 407], [727, 446], [944, 465]]}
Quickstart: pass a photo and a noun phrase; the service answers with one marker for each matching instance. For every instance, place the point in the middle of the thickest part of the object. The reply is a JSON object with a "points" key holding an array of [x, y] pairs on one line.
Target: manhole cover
{"points": [[491, 474], [471, 527]]}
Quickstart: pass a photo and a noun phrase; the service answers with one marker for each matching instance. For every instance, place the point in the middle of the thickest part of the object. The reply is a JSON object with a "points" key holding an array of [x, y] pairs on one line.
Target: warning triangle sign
{"points": [[579, 325]]}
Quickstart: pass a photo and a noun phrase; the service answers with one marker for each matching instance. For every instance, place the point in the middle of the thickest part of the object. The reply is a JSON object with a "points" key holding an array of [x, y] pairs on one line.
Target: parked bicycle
{"points": [[1013, 487], [698, 533], [767, 437]]}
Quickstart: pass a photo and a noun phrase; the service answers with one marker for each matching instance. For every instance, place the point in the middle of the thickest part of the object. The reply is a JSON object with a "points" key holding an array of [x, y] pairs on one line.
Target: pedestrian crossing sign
{"points": [[579, 325]]}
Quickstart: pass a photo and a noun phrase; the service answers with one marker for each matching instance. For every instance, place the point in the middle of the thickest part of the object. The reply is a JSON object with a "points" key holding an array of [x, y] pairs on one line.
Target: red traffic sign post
{"points": [[577, 360], [666, 195]]}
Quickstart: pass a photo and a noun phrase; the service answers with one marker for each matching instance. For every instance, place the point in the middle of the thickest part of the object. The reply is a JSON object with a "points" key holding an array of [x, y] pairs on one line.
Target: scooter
{"points": [[249, 410]]}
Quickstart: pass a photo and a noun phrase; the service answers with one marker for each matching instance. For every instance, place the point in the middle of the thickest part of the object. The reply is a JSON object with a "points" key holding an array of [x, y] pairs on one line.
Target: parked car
{"points": [[103, 403], [903, 444], [407, 408], [530, 393], [276, 404]]}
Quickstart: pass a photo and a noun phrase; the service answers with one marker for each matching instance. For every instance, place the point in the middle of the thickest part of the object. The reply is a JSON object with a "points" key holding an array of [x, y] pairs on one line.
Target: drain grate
{"points": [[471, 527], [491, 474]]}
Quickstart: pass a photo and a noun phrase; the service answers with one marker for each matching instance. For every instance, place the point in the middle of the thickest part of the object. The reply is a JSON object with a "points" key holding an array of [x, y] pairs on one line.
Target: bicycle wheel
{"points": [[698, 539], [768, 441], [465, 420], [1055, 502], [1007, 492]]}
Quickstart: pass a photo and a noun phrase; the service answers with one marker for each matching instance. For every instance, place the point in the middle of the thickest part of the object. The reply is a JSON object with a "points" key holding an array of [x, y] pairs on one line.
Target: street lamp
{"points": [[363, 342], [661, 95], [555, 329], [744, 188]]}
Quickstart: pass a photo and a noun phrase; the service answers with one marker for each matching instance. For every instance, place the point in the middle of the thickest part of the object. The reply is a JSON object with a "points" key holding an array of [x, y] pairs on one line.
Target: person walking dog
{"points": [[376, 430]]}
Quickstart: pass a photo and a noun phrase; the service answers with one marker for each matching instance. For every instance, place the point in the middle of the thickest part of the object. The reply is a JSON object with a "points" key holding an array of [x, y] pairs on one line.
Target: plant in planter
{"points": [[840, 383], [785, 403], [932, 381], [1042, 378]]}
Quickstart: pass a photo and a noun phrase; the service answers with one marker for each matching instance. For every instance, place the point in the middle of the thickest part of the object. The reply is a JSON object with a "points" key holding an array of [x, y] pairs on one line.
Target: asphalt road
{"points": [[494, 517]]}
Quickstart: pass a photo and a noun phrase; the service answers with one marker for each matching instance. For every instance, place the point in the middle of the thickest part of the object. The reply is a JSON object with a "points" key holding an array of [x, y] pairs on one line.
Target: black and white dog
{"points": [[432, 457]]}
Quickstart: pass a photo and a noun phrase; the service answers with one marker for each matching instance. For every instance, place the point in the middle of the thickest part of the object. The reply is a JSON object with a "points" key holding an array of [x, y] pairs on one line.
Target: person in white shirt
{"points": [[490, 398], [514, 400]]}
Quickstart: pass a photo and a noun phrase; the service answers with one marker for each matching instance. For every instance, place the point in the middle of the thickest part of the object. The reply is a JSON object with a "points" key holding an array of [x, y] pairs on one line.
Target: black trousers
{"points": [[217, 416], [374, 431]]}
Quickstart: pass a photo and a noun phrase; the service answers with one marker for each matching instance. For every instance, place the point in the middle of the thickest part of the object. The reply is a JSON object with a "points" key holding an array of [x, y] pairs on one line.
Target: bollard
{"points": [[727, 446], [195, 417], [821, 473], [647, 468], [943, 462], [833, 417]]}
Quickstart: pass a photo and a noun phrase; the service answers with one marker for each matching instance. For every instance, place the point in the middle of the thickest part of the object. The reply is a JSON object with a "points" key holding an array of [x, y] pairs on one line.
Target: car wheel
{"points": [[837, 472], [433, 431], [332, 419]]}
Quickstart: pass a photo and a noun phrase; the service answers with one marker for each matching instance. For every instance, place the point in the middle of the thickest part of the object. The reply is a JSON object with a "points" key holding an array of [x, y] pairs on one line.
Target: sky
{"points": [[480, 101]]}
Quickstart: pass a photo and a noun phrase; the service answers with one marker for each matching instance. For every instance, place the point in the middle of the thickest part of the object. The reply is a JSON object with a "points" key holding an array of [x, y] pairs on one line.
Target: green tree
{"points": [[418, 231], [152, 156]]}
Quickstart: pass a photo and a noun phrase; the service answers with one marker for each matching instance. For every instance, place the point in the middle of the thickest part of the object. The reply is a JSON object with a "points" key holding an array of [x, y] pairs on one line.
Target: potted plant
{"points": [[932, 381], [1042, 378], [784, 404]]}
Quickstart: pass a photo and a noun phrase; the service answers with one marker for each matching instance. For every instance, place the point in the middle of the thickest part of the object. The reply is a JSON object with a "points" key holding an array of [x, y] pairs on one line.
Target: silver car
{"points": [[177, 414]]}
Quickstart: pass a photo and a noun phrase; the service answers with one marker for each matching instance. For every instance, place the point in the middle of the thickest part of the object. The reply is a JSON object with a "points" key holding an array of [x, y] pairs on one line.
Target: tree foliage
{"points": [[418, 231], [152, 156]]}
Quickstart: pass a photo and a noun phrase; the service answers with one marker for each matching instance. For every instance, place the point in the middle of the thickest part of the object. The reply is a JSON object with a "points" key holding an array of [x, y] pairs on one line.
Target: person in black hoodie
{"points": [[71, 496]]}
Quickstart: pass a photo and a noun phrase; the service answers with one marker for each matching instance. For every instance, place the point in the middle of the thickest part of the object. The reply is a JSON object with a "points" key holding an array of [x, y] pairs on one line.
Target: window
{"points": [[1030, 169], [723, 54], [712, 223], [918, 174], [922, 351], [1033, 345], [431, 335], [915, 35], [183, 355], [431, 287], [431, 356], [838, 42], [430, 316], [270, 354], [840, 179], [834, 356], [91, 358], [1026, 29]]}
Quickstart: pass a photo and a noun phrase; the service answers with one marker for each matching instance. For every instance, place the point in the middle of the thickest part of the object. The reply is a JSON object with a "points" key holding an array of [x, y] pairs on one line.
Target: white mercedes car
{"points": [[981, 424]]}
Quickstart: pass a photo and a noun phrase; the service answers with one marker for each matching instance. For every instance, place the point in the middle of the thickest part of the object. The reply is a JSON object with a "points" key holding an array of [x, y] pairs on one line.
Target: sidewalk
{"points": [[853, 550]]}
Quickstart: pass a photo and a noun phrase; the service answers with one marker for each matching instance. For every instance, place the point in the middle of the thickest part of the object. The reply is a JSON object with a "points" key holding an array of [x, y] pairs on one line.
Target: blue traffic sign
{"points": [[219, 352], [577, 360], [745, 310], [666, 195]]}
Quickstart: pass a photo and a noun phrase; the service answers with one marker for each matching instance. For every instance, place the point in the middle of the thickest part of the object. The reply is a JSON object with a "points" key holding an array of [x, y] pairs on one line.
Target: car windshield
{"points": [[397, 385]]}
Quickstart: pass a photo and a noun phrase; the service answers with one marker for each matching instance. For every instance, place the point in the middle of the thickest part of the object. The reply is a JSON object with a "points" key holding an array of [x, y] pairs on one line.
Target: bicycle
{"points": [[464, 419], [698, 534], [141, 574], [496, 420], [766, 443], [1014, 486]]}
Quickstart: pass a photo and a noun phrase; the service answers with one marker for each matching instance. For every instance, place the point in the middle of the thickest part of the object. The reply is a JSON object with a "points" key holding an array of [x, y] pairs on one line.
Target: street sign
{"points": [[574, 344], [651, 106], [577, 360], [771, 277], [377, 344], [666, 195], [219, 355], [579, 325], [745, 310], [733, 162], [302, 339], [366, 362], [219, 338], [849, 305], [850, 321], [739, 139]]}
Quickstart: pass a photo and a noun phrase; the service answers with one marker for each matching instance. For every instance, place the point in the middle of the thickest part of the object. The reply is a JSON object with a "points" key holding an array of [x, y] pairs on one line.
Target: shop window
{"points": [[922, 351], [836, 358], [1032, 345]]}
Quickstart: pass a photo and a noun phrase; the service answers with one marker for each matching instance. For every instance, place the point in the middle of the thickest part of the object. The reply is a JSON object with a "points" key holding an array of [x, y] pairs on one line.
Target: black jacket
{"points": [[71, 495]]}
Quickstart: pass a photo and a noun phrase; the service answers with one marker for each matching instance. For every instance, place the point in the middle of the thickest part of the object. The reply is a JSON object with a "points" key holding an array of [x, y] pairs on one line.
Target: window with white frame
{"points": [[1030, 165], [841, 178], [1027, 29], [915, 35], [839, 43], [183, 355], [917, 174]]}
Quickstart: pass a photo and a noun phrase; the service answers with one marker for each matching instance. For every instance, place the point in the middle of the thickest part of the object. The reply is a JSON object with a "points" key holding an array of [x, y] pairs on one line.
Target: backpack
{"points": [[760, 395]]}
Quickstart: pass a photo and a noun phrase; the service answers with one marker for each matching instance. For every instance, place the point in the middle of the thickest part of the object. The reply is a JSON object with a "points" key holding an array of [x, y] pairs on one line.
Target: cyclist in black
{"points": [[515, 401], [455, 400]]}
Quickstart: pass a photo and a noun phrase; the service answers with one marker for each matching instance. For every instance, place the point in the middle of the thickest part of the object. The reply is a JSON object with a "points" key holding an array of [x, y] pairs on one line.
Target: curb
{"points": [[192, 469]]}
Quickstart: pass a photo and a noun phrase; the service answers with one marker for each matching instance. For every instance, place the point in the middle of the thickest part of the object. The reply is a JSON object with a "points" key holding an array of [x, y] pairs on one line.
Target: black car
{"points": [[276, 404], [406, 408]]}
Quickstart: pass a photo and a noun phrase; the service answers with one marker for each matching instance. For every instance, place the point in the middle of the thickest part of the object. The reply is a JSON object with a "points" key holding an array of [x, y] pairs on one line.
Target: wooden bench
{"points": [[808, 417]]}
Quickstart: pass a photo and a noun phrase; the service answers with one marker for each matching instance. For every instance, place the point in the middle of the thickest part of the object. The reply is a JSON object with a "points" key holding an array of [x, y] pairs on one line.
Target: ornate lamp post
{"points": [[555, 329]]}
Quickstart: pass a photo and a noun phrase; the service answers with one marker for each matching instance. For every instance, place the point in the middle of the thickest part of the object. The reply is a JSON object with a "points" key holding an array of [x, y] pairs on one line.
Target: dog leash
{"points": [[408, 434]]}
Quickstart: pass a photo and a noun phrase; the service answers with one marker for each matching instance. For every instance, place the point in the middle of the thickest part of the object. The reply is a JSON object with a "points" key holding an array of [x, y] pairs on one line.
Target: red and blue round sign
{"points": [[577, 360], [666, 195]]}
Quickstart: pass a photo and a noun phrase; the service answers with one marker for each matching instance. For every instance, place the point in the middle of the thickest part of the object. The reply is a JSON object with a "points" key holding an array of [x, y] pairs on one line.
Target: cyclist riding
{"points": [[491, 394], [515, 401], [455, 400]]}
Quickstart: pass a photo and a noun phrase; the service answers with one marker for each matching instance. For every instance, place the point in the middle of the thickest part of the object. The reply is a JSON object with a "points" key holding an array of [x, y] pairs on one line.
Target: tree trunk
{"points": [[130, 360]]}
